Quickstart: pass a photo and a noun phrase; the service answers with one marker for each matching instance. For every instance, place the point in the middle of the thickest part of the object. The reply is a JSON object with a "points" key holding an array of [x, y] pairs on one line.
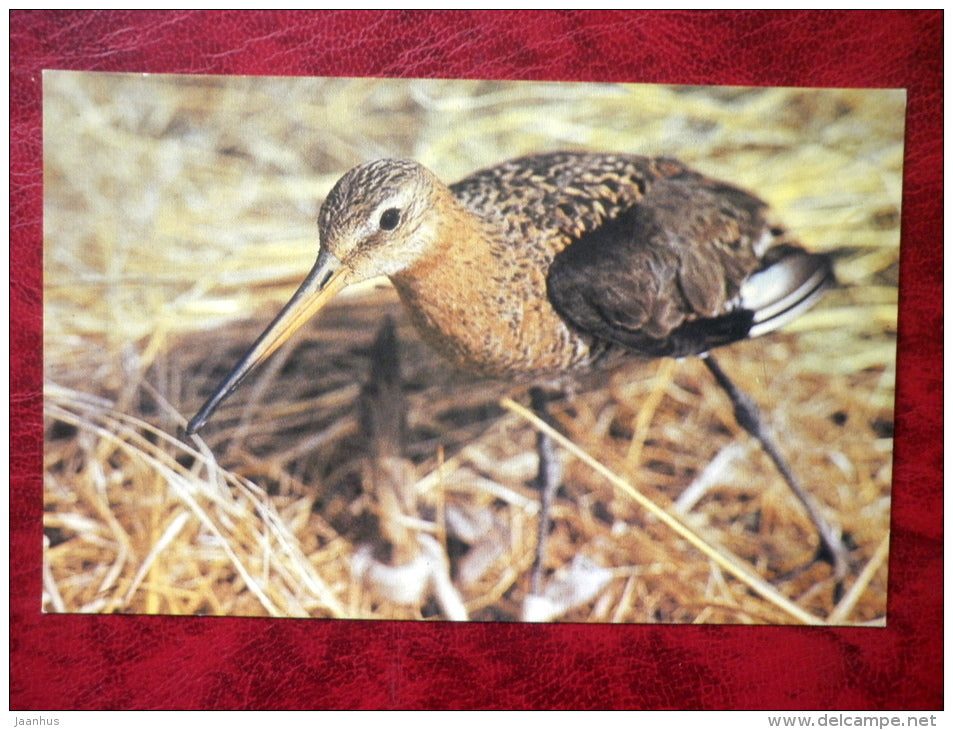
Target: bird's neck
{"points": [[438, 288], [476, 300], [458, 241]]}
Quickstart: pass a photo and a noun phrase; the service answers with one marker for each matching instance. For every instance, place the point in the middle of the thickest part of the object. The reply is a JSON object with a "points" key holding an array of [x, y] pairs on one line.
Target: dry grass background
{"points": [[179, 214]]}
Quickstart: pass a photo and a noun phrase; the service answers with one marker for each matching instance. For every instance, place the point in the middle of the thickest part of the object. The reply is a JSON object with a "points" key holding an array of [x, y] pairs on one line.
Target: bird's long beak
{"points": [[326, 279]]}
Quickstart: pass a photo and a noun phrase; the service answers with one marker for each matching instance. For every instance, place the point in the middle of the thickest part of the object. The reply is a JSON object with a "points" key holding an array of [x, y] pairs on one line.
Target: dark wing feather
{"points": [[664, 277]]}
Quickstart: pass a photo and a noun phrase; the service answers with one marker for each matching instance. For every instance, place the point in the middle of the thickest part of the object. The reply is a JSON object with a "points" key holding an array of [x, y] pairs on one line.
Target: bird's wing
{"points": [[671, 275]]}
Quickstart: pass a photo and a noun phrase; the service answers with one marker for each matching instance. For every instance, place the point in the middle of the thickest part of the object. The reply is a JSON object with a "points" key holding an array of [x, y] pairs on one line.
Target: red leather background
{"points": [[122, 662]]}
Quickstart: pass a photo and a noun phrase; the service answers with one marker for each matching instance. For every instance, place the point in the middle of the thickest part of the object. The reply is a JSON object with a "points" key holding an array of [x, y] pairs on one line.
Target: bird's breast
{"points": [[487, 311]]}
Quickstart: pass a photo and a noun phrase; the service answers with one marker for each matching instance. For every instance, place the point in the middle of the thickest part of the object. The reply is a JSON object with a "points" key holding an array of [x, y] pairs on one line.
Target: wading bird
{"points": [[551, 266]]}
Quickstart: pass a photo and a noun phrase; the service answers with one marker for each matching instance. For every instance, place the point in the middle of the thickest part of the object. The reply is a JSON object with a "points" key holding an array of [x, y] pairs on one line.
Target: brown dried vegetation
{"points": [[179, 215]]}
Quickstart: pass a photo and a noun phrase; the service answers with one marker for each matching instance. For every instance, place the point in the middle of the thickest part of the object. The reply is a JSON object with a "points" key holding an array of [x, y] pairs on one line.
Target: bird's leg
{"points": [[547, 481], [748, 415]]}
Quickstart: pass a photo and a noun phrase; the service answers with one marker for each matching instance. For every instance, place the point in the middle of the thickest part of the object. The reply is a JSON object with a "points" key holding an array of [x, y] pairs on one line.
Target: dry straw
{"points": [[179, 214]]}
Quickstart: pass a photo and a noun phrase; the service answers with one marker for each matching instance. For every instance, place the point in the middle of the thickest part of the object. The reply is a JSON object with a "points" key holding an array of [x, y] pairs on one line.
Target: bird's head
{"points": [[378, 219]]}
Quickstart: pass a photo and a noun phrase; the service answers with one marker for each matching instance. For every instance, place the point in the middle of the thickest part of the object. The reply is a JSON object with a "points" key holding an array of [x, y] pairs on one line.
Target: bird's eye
{"points": [[389, 219]]}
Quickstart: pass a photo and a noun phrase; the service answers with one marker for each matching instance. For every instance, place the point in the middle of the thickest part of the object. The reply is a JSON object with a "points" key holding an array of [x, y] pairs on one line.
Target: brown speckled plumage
{"points": [[541, 266]]}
